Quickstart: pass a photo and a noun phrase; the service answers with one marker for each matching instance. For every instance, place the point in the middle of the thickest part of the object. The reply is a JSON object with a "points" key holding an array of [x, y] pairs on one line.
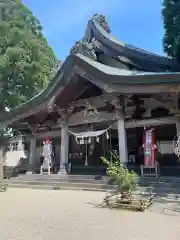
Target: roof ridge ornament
{"points": [[85, 49], [102, 21]]}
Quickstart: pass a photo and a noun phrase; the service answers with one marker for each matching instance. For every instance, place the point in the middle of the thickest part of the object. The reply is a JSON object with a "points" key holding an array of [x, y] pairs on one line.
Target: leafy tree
{"points": [[171, 17], [27, 63]]}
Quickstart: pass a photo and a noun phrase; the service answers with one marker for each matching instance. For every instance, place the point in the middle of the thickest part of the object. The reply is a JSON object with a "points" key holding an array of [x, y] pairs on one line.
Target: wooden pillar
{"points": [[20, 146], [122, 140], [1, 163], [32, 155], [64, 151], [178, 125]]}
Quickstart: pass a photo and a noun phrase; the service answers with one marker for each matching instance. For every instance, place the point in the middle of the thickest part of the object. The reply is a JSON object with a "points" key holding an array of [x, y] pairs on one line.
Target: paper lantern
{"points": [[107, 135], [97, 139]]}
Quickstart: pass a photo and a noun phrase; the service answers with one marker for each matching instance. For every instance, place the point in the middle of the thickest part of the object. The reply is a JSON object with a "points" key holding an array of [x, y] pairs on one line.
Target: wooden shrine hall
{"points": [[100, 100]]}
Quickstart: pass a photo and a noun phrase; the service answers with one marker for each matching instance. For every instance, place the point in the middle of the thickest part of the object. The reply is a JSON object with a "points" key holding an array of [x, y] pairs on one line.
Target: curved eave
{"points": [[111, 75], [39, 102], [99, 74], [129, 50]]}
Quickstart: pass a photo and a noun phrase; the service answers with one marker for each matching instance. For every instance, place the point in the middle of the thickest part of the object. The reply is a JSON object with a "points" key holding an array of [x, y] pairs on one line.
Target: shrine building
{"points": [[102, 97]]}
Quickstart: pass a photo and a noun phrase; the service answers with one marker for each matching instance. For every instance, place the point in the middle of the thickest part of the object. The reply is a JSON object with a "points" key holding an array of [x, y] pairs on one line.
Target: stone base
{"points": [[29, 172], [62, 172], [3, 186]]}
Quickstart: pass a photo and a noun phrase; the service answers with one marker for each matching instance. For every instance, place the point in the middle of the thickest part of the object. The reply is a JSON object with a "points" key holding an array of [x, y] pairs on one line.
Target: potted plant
{"points": [[118, 174]]}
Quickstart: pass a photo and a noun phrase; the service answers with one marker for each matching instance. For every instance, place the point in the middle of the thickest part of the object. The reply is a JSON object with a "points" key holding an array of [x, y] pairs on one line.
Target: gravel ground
{"points": [[73, 215]]}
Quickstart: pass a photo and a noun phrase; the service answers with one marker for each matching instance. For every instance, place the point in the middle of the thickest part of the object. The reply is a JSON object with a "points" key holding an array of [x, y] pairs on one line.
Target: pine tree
{"points": [[171, 18]]}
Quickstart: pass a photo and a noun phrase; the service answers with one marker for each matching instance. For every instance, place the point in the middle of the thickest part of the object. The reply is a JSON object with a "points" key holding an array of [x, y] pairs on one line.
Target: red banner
{"points": [[150, 148]]}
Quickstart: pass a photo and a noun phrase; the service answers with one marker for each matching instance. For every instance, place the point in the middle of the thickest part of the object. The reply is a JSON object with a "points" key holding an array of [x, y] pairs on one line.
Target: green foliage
{"points": [[27, 63], [171, 18], [119, 174]]}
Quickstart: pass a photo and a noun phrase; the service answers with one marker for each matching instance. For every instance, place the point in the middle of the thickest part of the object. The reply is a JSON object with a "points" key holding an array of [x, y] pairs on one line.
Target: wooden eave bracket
{"points": [[170, 105]]}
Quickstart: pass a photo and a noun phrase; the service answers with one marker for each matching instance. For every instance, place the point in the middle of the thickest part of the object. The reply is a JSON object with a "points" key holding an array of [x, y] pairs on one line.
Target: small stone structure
{"points": [[15, 155]]}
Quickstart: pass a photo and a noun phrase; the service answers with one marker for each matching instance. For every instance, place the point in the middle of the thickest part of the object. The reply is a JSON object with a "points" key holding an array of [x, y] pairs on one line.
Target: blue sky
{"points": [[136, 22]]}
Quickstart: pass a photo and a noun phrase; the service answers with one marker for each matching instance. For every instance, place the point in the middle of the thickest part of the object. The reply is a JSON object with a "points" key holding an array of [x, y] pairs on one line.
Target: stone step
{"points": [[95, 184], [145, 180], [100, 177], [57, 183], [56, 176], [51, 187], [168, 197], [165, 188], [71, 176], [56, 179], [87, 181], [160, 179]]}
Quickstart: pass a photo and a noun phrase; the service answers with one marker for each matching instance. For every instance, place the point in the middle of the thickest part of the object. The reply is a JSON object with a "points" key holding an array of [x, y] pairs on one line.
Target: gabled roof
{"points": [[83, 61], [98, 28], [107, 78]]}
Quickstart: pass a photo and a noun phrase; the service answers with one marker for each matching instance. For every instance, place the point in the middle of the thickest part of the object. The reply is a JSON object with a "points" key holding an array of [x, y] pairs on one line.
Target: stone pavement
{"points": [[73, 215]]}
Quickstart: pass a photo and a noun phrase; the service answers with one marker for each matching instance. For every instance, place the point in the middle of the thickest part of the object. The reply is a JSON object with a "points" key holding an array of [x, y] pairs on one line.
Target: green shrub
{"points": [[118, 174]]}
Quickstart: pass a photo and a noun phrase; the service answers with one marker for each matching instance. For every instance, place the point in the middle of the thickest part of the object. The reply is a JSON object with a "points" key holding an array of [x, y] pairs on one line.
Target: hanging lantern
{"points": [[82, 141], [89, 140], [97, 139], [107, 135]]}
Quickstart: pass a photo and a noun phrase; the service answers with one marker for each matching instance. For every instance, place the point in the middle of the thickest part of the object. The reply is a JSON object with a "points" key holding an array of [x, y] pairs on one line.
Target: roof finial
{"points": [[102, 21]]}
